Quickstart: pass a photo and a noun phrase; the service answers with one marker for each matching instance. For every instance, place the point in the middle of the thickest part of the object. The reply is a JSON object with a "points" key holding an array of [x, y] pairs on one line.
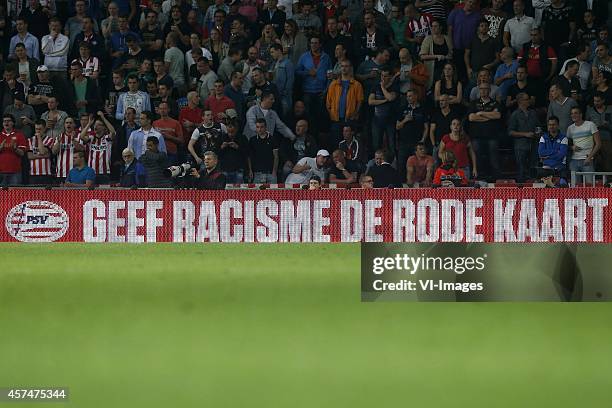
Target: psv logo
{"points": [[37, 221]]}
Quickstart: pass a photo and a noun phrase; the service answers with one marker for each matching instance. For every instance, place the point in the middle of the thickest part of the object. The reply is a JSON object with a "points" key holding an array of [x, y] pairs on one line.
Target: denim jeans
{"points": [[264, 178], [524, 150], [234, 177], [578, 165], [380, 127], [10, 179], [487, 157]]}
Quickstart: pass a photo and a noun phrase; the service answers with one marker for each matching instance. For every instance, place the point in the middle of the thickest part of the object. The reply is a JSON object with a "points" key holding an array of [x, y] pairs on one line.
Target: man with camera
{"points": [[210, 177]]}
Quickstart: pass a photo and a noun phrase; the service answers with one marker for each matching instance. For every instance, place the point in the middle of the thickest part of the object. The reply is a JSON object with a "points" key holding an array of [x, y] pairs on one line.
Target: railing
{"points": [[582, 177]]}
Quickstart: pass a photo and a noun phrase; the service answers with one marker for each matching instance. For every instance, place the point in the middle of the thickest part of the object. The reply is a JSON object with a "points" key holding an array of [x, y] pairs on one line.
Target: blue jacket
{"points": [[555, 150], [318, 83]]}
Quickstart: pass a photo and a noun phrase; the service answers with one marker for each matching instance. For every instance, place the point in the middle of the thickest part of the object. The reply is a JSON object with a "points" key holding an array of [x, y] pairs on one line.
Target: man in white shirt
{"points": [[586, 142], [584, 69], [307, 167], [517, 30], [55, 46]]}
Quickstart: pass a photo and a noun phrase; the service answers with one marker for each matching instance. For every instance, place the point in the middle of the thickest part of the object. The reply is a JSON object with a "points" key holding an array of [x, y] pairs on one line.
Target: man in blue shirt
{"points": [[80, 175]]}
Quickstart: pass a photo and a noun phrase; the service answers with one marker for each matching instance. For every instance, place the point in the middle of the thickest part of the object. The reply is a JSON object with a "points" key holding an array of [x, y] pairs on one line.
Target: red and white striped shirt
{"points": [[420, 27], [65, 154], [40, 166], [99, 152]]}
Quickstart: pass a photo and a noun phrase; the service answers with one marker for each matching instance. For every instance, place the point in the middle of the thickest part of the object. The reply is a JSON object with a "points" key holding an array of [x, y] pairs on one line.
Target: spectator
{"points": [[312, 68], [154, 162], [138, 140], [118, 40], [314, 183], [343, 171], [524, 128], [161, 73], [553, 146], [110, 25], [196, 52], [41, 90], [152, 37], [366, 181], [233, 153], [371, 38], [585, 142], [204, 79], [560, 106], [481, 52], [190, 116], [602, 61], [99, 144], [568, 81], [505, 75], [294, 42], [88, 35], [8, 87], [559, 25], [587, 29], [263, 44], [419, 167], [449, 85], [440, 123], [413, 127], [133, 173], [228, 65], [91, 64], [218, 103], [484, 77], [175, 60], [84, 90], [284, 76], [522, 85], [55, 47], [263, 157], [80, 174], [462, 24], [418, 27], [26, 66], [383, 174], [436, 51], [344, 100], [165, 95], [382, 98], [39, 155], [54, 118], [260, 86], [459, 143], [307, 22], [584, 67], [133, 98], [412, 74], [601, 115], [65, 145], [211, 177], [350, 145], [517, 30], [540, 59], [448, 174], [24, 114], [13, 146], [22, 36], [272, 15], [207, 137], [264, 111], [307, 167], [171, 130], [304, 145], [484, 117], [496, 17], [233, 90], [333, 37]]}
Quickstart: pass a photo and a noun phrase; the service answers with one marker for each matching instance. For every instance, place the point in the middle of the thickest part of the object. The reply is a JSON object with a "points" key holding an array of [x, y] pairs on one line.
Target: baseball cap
{"points": [[42, 68], [323, 152]]}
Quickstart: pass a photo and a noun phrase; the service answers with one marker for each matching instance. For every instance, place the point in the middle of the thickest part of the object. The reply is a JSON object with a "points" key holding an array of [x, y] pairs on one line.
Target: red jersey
{"points": [[10, 162], [420, 27], [169, 127], [457, 176], [40, 166], [534, 69], [459, 148], [64, 156], [218, 106], [99, 154], [192, 115]]}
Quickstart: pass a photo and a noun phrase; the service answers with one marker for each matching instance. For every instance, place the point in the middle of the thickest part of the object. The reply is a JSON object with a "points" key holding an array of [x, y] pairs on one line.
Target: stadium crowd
{"points": [[267, 91]]}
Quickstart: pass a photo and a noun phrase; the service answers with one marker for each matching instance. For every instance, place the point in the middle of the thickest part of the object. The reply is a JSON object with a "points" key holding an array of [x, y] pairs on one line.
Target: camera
{"points": [[181, 170]]}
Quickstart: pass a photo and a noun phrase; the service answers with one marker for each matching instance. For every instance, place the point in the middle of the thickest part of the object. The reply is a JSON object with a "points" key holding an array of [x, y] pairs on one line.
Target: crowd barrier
{"points": [[330, 215]]}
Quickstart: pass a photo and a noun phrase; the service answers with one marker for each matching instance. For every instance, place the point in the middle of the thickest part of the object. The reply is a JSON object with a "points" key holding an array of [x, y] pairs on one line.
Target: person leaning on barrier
{"points": [[211, 177]]}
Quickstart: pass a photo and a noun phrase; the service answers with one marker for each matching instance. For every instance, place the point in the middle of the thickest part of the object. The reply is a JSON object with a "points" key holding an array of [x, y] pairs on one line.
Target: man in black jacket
{"points": [[210, 178]]}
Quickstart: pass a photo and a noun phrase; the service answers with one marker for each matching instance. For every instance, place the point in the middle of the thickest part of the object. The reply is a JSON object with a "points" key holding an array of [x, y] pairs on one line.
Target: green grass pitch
{"points": [[252, 325]]}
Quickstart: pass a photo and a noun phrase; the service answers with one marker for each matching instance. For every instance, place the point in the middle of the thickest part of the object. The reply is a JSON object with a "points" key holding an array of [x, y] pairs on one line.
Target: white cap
{"points": [[323, 152]]}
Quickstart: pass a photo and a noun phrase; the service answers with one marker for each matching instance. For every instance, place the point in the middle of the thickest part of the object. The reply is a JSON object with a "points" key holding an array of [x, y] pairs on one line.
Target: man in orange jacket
{"points": [[344, 100]]}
